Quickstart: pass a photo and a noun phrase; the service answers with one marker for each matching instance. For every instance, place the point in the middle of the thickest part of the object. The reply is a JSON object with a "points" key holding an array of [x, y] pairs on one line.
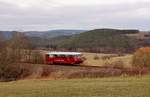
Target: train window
{"points": [[55, 56], [51, 56], [70, 56], [63, 56]]}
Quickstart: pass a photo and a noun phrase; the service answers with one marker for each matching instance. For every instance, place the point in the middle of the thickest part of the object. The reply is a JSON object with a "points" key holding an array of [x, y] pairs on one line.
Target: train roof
{"points": [[64, 53]]}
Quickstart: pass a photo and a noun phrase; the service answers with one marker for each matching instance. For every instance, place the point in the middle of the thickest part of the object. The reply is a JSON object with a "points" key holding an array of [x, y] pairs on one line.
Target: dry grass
{"points": [[72, 72], [90, 61]]}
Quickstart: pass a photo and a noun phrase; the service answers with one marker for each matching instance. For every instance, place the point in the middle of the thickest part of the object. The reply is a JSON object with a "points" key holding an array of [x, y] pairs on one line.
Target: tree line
{"points": [[14, 51]]}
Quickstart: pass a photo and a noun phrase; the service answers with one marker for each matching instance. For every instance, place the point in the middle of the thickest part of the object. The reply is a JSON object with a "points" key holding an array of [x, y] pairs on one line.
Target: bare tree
{"points": [[19, 47]]}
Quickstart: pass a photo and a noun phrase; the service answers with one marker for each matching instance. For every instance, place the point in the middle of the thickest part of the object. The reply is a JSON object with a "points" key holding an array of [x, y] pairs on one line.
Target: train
{"points": [[63, 58]]}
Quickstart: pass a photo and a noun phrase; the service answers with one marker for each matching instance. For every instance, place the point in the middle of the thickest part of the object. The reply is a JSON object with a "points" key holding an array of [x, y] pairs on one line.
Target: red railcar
{"points": [[63, 58]]}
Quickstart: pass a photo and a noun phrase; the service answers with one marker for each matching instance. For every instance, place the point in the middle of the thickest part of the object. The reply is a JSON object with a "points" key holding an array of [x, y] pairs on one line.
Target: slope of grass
{"points": [[106, 87], [126, 59]]}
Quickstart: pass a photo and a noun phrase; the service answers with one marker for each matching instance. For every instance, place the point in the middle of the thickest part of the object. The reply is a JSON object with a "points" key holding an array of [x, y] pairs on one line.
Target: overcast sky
{"points": [[74, 14]]}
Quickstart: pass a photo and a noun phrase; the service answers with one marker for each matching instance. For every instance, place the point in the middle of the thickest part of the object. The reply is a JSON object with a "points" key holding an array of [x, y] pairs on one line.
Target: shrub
{"points": [[96, 57], [115, 64], [108, 57], [12, 73], [141, 57], [105, 57], [11, 52]]}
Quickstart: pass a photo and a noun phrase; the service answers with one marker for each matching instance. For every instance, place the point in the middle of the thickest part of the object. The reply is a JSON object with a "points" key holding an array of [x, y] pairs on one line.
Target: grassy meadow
{"points": [[90, 61], [104, 87]]}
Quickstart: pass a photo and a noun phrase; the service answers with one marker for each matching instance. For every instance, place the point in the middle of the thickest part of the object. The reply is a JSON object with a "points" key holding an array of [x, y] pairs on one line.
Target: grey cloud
{"points": [[76, 16]]}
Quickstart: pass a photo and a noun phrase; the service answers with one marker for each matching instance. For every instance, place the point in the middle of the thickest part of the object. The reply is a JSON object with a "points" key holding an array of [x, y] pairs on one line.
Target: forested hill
{"points": [[101, 40], [53, 33], [98, 40], [43, 34]]}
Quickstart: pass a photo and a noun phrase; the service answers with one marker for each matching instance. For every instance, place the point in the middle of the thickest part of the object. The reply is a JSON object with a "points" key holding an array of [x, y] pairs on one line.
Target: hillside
{"points": [[101, 40], [52, 42], [52, 33], [44, 34], [7, 34], [98, 40]]}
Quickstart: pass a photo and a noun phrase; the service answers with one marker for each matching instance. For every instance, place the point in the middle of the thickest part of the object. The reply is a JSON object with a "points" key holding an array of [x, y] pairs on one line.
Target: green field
{"points": [[104, 87]]}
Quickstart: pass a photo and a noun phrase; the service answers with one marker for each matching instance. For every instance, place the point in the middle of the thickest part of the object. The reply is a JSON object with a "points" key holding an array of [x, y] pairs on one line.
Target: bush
{"points": [[12, 73], [108, 57], [105, 57], [11, 52], [96, 57], [141, 58], [115, 64]]}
